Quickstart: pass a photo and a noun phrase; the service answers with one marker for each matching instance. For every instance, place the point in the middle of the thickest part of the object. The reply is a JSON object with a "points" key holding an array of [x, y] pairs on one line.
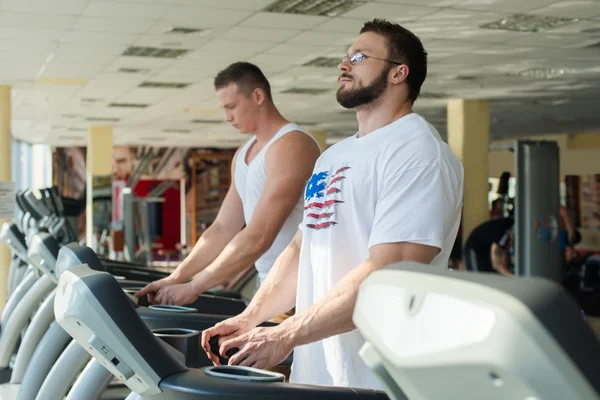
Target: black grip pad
{"points": [[214, 348]]}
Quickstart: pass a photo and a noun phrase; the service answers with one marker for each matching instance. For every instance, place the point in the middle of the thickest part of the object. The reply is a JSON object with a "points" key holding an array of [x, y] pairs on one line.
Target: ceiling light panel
{"points": [[312, 91], [326, 8], [543, 73], [164, 85], [128, 105], [206, 121], [175, 130], [323, 62], [173, 41], [528, 23], [181, 30], [102, 119], [154, 52]]}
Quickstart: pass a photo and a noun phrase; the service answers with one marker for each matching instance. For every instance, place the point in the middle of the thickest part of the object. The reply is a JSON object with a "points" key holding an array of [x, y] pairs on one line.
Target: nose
{"points": [[228, 117], [345, 65]]}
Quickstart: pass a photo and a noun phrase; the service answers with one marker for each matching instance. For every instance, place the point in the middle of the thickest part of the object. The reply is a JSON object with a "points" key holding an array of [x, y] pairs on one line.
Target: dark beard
{"points": [[363, 95]]}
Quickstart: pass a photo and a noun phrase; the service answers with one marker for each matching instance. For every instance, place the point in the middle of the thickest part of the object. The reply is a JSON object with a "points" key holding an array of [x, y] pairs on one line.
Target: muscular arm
{"points": [[277, 294], [289, 164], [332, 315], [499, 257]]}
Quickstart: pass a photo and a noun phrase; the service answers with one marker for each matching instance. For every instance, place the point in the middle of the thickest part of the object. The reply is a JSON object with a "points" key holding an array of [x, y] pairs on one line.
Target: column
{"points": [[468, 136], [321, 138], [99, 168], [5, 176]]}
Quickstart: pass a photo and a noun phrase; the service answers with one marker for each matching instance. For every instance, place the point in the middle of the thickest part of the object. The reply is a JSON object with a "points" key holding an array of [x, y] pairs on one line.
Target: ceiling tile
{"points": [[234, 46], [203, 17], [428, 3], [392, 12], [283, 21], [571, 9], [460, 18], [105, 38], [341, 25], [263, 59], [31, 34], [146, 95], [62, 7], [297, 48], [81, 50], [111, 25], [39, 21], [71, 70], [253, 5], [126, 10], [141, 62], [330, 38], [259, 34], [504, 6], [192, 42], [553, 40]]}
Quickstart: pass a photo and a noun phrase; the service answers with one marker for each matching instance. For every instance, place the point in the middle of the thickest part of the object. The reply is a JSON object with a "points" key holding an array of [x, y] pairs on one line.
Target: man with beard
{"points": [[392, 192]]}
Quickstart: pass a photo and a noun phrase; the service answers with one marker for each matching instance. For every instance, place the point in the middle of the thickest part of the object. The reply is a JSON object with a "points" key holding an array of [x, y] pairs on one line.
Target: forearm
{"points": [[332, 315], [277, 294], [499, 259], [205, 251], [239, 254]]}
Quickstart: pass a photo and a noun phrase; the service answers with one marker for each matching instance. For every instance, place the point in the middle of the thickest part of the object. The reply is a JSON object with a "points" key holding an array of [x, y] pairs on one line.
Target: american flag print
{"points": [[322, 196]]}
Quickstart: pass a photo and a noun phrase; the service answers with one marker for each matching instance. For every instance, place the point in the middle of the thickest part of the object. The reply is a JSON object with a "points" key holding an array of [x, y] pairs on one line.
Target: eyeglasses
{"points": [[357, 58]]}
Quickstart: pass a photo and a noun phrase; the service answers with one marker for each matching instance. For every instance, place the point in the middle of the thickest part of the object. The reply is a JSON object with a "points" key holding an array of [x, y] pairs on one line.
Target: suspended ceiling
{"points": [[75, 63]]}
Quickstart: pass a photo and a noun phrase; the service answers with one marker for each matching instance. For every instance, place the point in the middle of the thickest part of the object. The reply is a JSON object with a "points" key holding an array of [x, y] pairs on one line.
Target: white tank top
{"points": [[249, 181]]}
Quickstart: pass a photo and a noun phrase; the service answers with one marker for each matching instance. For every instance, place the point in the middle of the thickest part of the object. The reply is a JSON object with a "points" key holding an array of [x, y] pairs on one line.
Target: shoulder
{"points": [[292, 144], [418, 144]]}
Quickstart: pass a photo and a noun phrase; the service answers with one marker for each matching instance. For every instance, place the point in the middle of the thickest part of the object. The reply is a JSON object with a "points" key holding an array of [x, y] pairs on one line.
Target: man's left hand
{"points": [[178, 295], [260, 348]]}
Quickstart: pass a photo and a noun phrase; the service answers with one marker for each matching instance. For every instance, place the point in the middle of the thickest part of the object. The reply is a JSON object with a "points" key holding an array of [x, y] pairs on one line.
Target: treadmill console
{"points": [[433, 334], [92, 307]]}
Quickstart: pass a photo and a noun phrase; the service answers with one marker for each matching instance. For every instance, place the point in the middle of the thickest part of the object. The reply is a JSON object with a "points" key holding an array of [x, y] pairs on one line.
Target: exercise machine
{"points": [[96, 313], [463, 335]]}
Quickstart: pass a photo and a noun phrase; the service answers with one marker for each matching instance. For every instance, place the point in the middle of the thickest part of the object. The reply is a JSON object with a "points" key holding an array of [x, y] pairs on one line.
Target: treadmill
{"points": [[456, 336], [472, 335]]}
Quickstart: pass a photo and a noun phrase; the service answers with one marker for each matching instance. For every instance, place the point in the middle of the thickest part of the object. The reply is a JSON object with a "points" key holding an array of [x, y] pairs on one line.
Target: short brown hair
{"points": [[246, 76], [404, 47]]}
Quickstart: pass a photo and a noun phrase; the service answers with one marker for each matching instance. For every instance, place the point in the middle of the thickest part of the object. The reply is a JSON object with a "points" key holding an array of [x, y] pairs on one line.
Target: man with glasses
{"points": [[392, 192]]}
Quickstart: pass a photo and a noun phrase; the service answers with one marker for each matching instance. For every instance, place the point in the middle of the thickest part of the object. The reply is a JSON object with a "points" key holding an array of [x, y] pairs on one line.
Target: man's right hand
{"points": [[152, 288], [228, 329]]}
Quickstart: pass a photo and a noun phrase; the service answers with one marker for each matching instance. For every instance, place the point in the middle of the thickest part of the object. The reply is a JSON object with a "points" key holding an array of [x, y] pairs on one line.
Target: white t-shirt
{"points": [[400, 183]]}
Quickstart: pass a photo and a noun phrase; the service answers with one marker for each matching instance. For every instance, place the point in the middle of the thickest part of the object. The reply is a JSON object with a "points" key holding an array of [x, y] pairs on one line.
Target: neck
{"points": [[268, 124], [380, 113]]}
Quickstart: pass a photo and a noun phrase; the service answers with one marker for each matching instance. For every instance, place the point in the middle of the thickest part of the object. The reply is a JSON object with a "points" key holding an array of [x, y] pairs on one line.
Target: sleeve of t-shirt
{"points": [[416, 205]]}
